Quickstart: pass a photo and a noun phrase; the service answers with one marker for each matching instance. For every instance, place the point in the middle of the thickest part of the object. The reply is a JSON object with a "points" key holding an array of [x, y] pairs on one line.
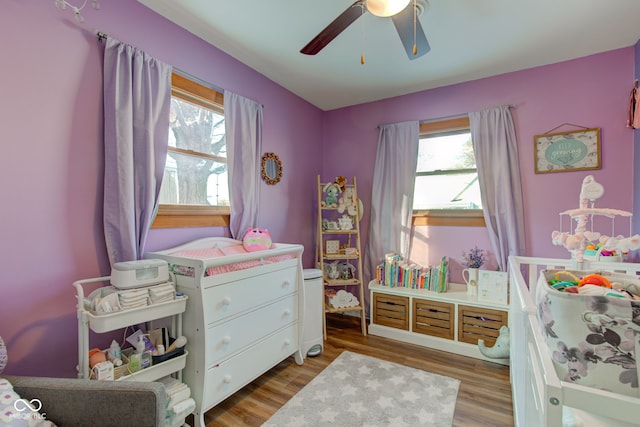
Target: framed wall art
{"points": [[332, 247], [576, 150]]}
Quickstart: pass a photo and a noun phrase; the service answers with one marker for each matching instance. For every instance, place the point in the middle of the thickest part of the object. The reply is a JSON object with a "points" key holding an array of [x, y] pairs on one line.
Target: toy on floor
{"points": [[500, 350]]}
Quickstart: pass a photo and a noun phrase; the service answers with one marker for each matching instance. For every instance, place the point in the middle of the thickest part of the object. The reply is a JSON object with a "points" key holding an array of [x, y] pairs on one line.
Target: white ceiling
{"points": [[469, 39]]}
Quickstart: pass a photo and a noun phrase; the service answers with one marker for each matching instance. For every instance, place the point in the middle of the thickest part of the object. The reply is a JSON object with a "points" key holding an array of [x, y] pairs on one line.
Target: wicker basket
{"points": [[118, 371]]}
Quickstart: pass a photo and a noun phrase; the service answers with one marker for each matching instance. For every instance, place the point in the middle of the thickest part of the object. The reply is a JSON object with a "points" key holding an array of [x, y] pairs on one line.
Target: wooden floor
{"points": [[484, 398]]}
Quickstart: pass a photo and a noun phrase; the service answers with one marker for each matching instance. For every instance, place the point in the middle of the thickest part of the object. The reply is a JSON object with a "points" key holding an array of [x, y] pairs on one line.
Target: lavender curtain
{"points": [[392, 194], [496, 150], [137, 97], [243, 127]]}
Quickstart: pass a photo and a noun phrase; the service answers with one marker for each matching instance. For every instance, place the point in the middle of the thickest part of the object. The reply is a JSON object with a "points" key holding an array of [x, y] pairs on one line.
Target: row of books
{"points": [[395, 272]]}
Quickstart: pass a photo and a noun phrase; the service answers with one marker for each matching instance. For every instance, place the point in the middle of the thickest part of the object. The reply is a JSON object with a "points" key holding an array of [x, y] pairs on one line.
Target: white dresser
{"points": [[239, 325]]}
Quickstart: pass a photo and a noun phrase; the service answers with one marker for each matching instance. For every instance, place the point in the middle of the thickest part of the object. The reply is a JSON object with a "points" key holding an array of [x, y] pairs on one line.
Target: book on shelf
{"points": [[394, 272]]}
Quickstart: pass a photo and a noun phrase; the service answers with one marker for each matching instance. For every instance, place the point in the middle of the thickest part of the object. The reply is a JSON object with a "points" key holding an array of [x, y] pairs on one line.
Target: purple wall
{"points": [[51, 109], [591, 91]]}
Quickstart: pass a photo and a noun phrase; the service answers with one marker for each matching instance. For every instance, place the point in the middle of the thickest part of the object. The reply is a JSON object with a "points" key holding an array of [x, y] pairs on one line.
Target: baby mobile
{"points": [[583, 241]]}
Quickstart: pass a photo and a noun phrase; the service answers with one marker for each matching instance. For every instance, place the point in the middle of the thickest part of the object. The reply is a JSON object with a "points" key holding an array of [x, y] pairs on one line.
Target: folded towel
{"points": [[162, 293]]}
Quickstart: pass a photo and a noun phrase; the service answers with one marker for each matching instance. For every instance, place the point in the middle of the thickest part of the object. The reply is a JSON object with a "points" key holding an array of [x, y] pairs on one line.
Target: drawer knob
{"points": [[287, 312], [226, 379], [287, 342], [226, 340], [226, 300], [286, 284]]}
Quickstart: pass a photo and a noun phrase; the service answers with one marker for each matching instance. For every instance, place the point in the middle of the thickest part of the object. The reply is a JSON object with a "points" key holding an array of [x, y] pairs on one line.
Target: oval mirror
{"points": [[271, 168]]}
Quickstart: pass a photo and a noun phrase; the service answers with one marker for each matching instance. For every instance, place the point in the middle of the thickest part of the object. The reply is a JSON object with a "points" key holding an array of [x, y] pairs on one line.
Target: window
{"points": [[447, 191], [195, 189]]}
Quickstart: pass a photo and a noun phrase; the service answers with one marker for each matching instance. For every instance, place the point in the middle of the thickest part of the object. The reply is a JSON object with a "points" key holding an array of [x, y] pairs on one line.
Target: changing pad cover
{"points": [[216, 252]]}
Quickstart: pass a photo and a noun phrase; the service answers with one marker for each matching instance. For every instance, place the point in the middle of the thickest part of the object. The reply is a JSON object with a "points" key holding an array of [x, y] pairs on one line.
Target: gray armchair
{"points": [[78, 402]]}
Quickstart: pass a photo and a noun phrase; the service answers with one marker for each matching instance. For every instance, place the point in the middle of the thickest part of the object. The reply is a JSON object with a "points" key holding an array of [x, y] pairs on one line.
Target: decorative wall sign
{"points": [[576, 150]]}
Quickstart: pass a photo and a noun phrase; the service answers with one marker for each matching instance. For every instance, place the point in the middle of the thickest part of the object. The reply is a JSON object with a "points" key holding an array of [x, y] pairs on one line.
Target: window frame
{"points": [[178, 216], [447, 217]]}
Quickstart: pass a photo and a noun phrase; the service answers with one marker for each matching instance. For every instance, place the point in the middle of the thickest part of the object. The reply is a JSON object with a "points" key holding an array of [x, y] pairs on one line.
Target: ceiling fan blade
{"points": [[403, 22], [332, 30]]}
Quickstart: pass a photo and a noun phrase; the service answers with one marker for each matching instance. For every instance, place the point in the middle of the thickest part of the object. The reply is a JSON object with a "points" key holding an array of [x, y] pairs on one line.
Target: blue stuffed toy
{"points": [[331, 199]]}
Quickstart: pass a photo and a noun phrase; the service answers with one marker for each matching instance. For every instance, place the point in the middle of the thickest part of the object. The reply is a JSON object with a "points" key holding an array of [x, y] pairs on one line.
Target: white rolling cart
{"points": [[101, 323]]}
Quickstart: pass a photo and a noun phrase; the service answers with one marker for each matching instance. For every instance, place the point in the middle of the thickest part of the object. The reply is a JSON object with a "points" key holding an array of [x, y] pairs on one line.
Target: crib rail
{"points": [[539, 396]]}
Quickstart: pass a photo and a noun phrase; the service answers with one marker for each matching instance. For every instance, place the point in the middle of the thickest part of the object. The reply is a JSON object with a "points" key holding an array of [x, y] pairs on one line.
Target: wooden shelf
{"points": [[339, 232], [339, 257], [329, 216], [338, 282], [329, 309]]}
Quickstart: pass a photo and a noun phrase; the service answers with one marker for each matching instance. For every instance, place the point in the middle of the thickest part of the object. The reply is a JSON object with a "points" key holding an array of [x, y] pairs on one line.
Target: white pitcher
{"points": [[470, 276]]}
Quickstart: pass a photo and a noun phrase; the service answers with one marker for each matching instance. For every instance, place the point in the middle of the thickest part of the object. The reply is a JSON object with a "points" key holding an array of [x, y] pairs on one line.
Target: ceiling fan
{"points": [[403, 13]]}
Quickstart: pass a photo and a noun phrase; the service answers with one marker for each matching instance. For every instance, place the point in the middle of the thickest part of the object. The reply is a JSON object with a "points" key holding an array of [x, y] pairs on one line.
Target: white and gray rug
{"points": [[357, 390]]}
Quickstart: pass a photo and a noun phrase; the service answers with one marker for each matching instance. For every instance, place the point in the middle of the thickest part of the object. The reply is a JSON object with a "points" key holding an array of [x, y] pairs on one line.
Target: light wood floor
{"points": [[484, 398]]}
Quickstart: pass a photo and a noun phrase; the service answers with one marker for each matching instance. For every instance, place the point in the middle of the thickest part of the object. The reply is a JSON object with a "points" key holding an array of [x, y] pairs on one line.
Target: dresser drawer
{"points": [[476, 323], [226, 338], [433, 318], [236, 297], [229, 376], [391, 310]]}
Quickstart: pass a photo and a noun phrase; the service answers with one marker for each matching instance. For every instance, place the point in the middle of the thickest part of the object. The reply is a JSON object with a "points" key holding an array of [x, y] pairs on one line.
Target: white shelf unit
{"points": [[121, 319], [447, 321]]}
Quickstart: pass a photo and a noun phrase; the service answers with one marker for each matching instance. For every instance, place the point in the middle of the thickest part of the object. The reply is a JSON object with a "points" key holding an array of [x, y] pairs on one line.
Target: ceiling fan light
{"points": [[386, 8]]}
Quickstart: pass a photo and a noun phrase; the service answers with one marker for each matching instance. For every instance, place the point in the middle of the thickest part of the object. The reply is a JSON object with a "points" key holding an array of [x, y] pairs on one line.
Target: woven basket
{"points": [[118, 371]]}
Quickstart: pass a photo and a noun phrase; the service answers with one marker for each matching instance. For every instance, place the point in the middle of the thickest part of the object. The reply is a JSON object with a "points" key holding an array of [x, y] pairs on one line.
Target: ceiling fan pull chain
{"points": [[362, 37], [415, 43]]}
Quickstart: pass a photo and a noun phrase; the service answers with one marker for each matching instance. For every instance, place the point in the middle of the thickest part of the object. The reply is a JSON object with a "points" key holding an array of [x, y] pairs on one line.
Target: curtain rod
{"points": [[456, 116], [439, 119], [453, 116], [102, 37]]}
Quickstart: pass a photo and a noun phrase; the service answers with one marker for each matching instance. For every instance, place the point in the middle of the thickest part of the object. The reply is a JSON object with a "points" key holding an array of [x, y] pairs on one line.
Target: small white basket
{"points": [[602, 258]]}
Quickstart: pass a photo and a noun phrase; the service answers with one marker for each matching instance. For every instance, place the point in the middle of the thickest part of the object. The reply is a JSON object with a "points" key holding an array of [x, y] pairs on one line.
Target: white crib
{"points": [[540, 397]]}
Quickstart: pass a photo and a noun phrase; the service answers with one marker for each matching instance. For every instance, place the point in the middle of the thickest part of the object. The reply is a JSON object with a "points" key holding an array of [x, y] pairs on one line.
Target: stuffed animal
{"points": [[500, 350], [331, 199], [256, 239], [341, 181], [348, 202], [347, 271], [332, 271]]}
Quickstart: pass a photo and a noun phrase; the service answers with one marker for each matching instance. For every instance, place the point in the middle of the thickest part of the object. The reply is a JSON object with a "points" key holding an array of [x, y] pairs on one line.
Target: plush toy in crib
{"points": [[256, 239]]}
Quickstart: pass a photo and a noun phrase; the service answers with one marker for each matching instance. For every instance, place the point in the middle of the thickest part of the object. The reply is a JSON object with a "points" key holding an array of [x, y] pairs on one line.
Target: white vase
{"points": [[471, 279]]}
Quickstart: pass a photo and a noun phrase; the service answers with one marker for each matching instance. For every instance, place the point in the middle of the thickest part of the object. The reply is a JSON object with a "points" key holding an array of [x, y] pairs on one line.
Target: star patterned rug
{"points": [[357, 390]]}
